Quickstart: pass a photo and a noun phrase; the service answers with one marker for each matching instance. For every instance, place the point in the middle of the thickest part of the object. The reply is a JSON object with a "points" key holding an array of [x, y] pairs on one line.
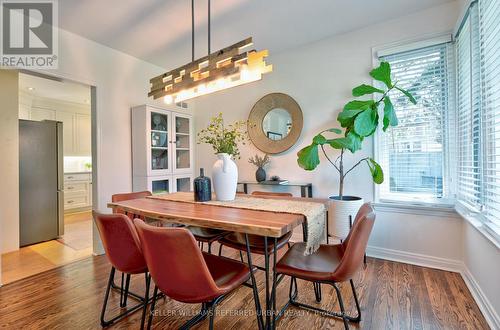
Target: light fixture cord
{"points": [[208, 27], [192, 30]]}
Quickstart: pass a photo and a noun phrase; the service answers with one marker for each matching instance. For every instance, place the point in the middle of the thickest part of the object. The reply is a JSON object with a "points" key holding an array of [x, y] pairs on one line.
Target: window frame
{"points": [[446, 204]]}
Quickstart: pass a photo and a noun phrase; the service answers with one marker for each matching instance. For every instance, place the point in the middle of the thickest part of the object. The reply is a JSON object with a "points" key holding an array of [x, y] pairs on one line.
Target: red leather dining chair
{"points": [[330, 264], [123, 250], [202, 235], [184, 273], [257, 244]]}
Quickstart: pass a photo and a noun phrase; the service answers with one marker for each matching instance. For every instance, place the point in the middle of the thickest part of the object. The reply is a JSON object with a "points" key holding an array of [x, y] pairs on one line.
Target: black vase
{"points": [[260, 175], [202, 188]]}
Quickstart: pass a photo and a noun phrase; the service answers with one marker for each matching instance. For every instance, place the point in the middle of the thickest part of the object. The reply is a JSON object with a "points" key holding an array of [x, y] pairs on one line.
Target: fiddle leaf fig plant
{"points": [[359, 119]]}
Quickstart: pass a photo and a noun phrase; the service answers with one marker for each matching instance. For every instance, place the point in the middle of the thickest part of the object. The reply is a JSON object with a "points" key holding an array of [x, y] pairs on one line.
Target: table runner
{"points": [[314, 212]]}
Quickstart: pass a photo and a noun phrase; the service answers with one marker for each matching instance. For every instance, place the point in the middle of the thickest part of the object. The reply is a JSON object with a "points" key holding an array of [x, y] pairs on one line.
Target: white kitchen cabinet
{"points": [[162, 149], [68, 120], [77, 191], [40, 114], [77, 131], [83, 133]]}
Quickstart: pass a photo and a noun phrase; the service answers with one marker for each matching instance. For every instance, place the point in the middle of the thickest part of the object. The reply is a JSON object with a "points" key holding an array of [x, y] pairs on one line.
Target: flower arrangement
{"points": [[222, 138], [259, 161]]}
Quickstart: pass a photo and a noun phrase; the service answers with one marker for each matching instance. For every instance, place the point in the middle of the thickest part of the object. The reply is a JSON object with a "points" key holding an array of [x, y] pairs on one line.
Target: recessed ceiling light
{"points": [[31, 88]]}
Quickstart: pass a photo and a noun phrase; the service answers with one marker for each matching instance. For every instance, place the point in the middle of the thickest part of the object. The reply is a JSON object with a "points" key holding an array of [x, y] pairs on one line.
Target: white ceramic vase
{"points": [[338, 222], [225, 177]]}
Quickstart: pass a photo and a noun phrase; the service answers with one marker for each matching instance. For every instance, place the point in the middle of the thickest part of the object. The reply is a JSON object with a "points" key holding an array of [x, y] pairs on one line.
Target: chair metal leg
{"points": [[152, 310], [317, 291], [293, 293], [342, 309], [210, 248], [220, 250], [213, 306], [146, 298], [202, 314], [125, 293], [104, 322]]}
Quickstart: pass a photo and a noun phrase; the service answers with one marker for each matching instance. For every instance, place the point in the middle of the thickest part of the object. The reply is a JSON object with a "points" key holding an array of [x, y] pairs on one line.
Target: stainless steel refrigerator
{"points": [[41, 175]]}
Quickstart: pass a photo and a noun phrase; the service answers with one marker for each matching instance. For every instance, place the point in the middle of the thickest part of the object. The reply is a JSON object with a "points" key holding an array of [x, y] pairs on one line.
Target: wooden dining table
{"points": [[269, 225]]}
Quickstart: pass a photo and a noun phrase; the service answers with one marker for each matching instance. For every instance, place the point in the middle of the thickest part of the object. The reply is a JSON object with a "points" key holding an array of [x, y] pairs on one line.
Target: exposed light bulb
{"points": [[168, 99]]}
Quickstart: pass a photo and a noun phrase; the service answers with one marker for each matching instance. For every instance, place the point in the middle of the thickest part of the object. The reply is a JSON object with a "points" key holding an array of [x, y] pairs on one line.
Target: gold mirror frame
{"points": [[259, 111]]}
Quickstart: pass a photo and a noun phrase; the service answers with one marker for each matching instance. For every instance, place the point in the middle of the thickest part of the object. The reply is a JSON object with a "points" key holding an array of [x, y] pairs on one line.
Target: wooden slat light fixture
{"points": [[226, 68]]}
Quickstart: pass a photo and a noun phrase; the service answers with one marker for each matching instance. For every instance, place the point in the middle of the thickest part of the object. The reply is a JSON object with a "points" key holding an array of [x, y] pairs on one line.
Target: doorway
{"points": [[56, 175]]}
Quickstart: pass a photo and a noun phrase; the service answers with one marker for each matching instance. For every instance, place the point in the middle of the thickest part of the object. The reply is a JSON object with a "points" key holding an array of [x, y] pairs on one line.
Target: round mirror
{"points": [[275, 123]]}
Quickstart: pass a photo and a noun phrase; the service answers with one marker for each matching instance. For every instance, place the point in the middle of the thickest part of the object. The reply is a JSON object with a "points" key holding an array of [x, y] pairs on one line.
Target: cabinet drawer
{"points": [[75, 186], [71, 202], [77, 177]]}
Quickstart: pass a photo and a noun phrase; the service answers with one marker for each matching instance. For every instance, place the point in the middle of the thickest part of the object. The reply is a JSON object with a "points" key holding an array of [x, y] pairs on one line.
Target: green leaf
{"points": [[408, 94], [358, 105], [389, 114], [366, 122], [383, 74], [376, 171], [352, 142], [308, 157], [319, 139], [334, 130], [346, 117], [365, 89]]}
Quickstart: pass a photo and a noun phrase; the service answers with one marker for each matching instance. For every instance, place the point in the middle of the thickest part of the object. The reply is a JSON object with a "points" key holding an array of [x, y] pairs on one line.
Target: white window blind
{"points": [[478, 89], [489, 31], [468, 121], [413, 154]]}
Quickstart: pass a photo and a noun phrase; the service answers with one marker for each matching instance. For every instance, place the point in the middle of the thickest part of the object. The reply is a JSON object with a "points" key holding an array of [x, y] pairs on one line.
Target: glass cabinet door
{"points": [[182, 143], [159, 141], [183, 183], [160, 186]]}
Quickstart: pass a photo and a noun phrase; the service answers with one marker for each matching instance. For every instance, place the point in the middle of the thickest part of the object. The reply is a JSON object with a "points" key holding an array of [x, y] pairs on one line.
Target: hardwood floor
{"points": [[76, 244], [392, 296]]}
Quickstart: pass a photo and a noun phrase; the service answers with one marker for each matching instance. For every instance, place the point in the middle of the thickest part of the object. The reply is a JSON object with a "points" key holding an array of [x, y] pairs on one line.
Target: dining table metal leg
{"points": [[273, 292], [266, 267], [258, 308]]}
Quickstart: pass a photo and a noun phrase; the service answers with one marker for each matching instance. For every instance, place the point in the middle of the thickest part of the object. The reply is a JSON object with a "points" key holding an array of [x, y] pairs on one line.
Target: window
{"points": [[413, 154], [478, 78]]}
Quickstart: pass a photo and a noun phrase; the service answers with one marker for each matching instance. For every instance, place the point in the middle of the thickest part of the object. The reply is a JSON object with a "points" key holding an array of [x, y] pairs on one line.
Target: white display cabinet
{"points": [[162, 149]]}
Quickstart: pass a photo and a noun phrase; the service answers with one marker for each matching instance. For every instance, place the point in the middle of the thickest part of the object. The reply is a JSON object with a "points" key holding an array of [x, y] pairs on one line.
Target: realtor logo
{"points": [[29, 34]]}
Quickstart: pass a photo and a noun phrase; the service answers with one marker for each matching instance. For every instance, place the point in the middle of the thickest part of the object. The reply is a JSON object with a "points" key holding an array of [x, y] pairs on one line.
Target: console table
{"points": [[305, 188]]}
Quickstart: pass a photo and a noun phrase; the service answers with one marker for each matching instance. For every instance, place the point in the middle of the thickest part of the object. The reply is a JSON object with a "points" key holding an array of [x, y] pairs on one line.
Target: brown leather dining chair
{"points": [[123, 250], [186, 274], [330, 264], [202, 235]]}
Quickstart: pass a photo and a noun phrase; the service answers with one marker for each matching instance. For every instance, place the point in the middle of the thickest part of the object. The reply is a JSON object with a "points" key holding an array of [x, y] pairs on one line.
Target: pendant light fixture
{"points": [[225, 68]]}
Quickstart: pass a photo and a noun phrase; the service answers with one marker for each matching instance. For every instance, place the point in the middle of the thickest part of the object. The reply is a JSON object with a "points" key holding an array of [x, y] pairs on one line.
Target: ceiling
{"points": [[54, 89], [159, 31]]}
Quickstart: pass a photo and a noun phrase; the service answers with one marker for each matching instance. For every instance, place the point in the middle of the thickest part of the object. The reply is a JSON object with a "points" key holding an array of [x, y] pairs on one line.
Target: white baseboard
{"points": [[416, 259], [482, 301], [457, 266]]}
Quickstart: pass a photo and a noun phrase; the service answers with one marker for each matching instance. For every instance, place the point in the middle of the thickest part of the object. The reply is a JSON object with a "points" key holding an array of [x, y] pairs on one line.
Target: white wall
{"points": [[482, 269], [9, 164], [320, 76]]}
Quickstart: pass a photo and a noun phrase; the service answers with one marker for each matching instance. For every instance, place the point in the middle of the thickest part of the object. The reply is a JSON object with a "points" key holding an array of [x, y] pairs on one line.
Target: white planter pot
{"points": [[338, 222], [225, 177]]}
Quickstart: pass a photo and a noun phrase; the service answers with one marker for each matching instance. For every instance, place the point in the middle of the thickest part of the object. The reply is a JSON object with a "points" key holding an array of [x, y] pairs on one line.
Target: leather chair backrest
{"points": [[176, 263], [128, 196], [269, 193], [354, 245], [120, 242]]}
